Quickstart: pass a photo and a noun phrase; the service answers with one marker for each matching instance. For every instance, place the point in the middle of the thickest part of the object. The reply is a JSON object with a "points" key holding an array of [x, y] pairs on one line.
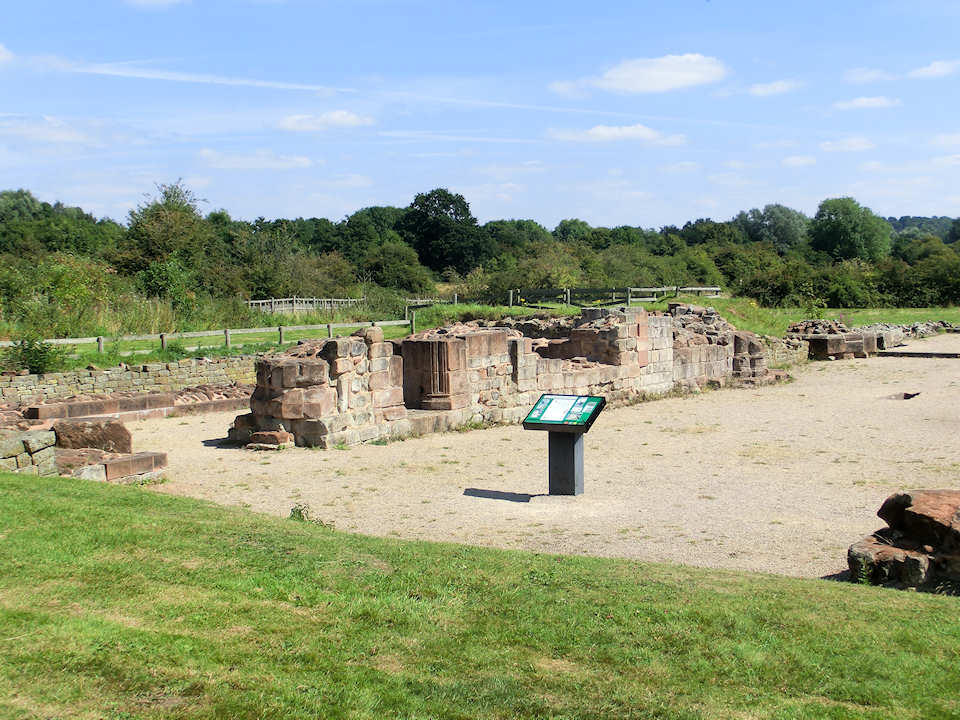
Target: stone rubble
{"points": [[919, 548]]}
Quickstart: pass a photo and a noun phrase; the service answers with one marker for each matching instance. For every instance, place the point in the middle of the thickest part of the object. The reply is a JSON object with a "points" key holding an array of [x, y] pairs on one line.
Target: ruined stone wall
{"points": [[30, 452], [785, 352], [355, 389], [327, 392], [29, 389]]}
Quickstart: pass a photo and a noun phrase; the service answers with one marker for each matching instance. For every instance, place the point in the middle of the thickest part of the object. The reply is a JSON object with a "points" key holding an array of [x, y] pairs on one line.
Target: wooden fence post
{"points": [[455, 299], [413, 322], [280, 330], [511, 298], [629, 296], [163, 341], [226, 338], [100, 344], [329, 330]]}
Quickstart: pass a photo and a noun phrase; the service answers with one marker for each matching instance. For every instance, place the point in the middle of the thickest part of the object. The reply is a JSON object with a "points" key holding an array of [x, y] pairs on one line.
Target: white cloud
{"points": [[324, 121], [125, 70], [938, 68], [866, 103], [775, 145], [5, 55], [43, 130], [777, 87], [651, 75], [616, 133], [259, 160], [947, 139], [678, 168], [850, 144], [947, 161], [799, 161], [860, 76]]}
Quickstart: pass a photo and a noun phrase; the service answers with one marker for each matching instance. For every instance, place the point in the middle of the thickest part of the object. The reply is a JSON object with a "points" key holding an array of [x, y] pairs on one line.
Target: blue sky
{"points": [[639, 113]]}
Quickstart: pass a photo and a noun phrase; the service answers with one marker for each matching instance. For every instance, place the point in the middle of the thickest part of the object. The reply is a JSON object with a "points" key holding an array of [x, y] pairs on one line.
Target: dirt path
{"points": [[780, 479]]}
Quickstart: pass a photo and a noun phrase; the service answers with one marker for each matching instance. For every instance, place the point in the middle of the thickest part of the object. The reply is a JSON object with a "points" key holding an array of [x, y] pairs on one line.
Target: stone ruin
{"points": [[329, 392], [919, 548], [832, 340], [360, 388]]}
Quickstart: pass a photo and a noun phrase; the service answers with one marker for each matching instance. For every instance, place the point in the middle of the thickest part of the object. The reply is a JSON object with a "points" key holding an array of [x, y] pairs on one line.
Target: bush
{"points": [[36, 355]]}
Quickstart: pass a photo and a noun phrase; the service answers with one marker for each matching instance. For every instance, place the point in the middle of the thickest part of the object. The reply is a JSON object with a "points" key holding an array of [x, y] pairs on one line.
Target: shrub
{"points": [[35, 354]]}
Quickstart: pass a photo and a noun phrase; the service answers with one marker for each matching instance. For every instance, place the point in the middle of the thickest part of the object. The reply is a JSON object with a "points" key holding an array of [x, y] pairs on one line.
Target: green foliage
{"points": [[396, 265], [441, 228], [32, 353], [846, 231]]}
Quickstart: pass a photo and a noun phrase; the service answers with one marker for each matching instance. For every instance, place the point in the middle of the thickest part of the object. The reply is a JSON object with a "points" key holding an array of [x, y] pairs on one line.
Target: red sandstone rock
{"points": [[271, 437], [107, 434]]}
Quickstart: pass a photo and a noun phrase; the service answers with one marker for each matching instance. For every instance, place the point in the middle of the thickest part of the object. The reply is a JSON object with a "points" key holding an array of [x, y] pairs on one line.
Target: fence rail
{"points": [[301, 304], [226, 333]]}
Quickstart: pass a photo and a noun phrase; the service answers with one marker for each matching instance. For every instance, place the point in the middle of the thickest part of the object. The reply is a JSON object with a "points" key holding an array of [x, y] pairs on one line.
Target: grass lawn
{"points": [[116, 602], [746, 314]]}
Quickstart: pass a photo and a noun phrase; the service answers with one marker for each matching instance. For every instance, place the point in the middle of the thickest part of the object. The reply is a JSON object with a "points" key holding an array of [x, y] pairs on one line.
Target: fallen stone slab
{"points": [[108, 434], [920, 547]]}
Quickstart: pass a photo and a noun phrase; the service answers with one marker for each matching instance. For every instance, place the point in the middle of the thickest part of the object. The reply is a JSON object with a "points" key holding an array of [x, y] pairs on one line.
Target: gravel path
{"points": [[779, 479]]}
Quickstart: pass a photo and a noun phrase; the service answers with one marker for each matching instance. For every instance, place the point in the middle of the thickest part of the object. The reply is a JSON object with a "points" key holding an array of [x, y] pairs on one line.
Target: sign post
{"points": [[566, 418]]}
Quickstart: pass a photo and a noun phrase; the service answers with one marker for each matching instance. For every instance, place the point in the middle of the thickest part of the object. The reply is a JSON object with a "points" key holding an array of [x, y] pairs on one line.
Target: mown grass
{"points": [[147, 351], [116, 602], [746, 314]]}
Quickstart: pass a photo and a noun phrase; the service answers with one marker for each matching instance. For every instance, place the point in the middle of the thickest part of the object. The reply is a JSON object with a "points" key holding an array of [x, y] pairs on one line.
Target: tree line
{"points": [[58, 262]]}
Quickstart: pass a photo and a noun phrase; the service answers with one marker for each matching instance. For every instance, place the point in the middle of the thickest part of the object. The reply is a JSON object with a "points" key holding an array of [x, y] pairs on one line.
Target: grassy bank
{"points": [[746, 314], [118, 603]]}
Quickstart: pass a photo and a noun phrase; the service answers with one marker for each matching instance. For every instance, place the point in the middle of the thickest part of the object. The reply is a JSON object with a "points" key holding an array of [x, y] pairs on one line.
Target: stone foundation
{"points": [[23, 390], [356, 389]]}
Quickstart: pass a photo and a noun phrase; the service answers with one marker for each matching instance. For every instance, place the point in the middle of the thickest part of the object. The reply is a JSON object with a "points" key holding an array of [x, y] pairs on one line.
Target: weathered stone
{"points": [[103, 433], [11, 444], [271, 437], [930, 517]]}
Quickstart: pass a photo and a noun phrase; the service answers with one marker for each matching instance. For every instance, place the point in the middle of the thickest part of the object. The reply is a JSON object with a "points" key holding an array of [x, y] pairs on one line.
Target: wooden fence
{"points": [[226, 333], [301, 304]]}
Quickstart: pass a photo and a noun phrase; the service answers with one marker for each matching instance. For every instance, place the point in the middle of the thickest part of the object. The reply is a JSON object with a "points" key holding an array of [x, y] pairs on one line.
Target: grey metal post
{"points": [[566, 463], [226, 338], [163, 341], [100, 344]]}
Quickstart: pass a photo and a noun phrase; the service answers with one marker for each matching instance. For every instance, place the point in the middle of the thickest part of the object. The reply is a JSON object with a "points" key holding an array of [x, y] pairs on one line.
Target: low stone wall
{"points": [[25, 390], [357, 389], [785, 352], [31, 452]]}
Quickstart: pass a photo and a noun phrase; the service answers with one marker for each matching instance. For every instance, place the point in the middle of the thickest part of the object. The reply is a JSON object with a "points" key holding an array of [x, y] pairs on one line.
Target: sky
{"points": [[646, 113]]}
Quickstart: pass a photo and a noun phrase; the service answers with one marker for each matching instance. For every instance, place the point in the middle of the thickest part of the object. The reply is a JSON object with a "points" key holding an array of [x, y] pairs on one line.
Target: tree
{"points": [[784, 227], [571, 230], [953, 235], [440, 227], [847, 231], [395, 265], [167, 226]]}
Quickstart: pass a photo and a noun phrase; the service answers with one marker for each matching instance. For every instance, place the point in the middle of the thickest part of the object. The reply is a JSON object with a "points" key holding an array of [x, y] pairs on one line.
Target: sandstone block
{"points": [[341, 366], [107, 434], [271, 437], [319, 402], [371, 335], [386, 398], [380, 350]]}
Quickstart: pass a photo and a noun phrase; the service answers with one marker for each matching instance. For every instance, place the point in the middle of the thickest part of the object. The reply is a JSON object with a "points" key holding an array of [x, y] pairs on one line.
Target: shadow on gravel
{"points": [[500, 495]]}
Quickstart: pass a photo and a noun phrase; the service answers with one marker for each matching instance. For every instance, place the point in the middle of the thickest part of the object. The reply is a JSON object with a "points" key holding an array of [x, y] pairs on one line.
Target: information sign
{"points": [[564, 413]]}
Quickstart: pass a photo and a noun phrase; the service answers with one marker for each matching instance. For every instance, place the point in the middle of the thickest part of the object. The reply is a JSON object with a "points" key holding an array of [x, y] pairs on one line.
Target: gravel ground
{"points": [[779, 479]]}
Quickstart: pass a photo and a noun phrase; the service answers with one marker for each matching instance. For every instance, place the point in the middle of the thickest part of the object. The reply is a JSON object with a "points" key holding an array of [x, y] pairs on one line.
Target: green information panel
{"points": [[564, 413]]}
